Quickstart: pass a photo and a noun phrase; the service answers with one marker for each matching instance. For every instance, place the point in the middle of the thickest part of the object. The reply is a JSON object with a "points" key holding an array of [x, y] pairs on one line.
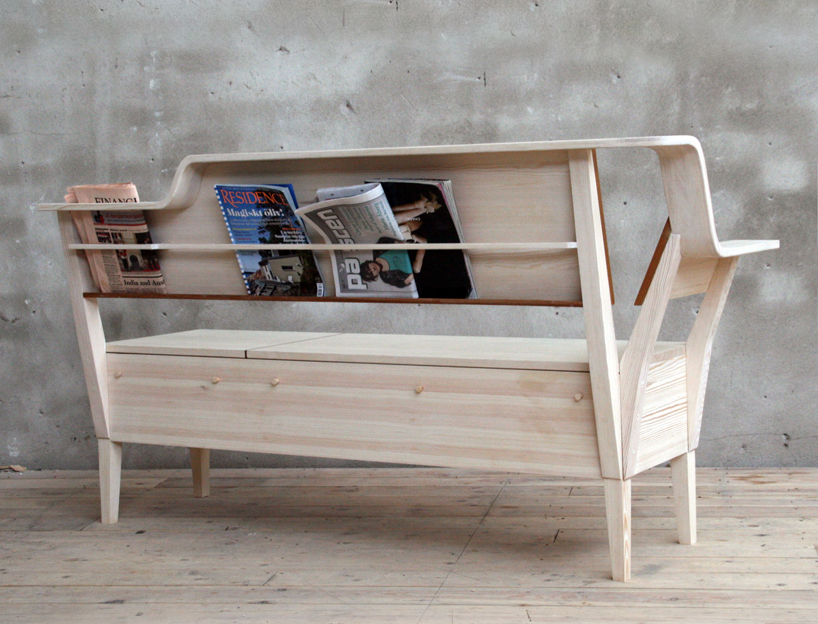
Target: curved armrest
{"points": [[730, 249]]}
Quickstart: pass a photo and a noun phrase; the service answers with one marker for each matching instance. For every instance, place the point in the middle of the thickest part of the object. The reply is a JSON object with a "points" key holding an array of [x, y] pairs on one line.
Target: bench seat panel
{"points": [[232, 343], [469, 351]]}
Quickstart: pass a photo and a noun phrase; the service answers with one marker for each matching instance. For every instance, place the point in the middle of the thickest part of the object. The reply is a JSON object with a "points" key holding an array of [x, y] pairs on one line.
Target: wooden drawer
{"points": [[508, 419]]}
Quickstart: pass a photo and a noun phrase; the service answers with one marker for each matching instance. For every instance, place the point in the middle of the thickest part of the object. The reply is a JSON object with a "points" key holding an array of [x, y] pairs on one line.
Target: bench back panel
{"points": [[509, 196]]}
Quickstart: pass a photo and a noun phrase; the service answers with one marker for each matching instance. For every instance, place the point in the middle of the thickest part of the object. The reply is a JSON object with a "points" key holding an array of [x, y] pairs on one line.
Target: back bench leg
{"points": [[618, 512], [200, 464], [683, 471], [110, 477]]}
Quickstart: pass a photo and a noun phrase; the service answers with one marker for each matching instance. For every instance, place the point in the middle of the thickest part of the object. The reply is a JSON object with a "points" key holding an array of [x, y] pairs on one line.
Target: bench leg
{"points": [[683, 470], [200, 464], [618, 512], [110, 477]]}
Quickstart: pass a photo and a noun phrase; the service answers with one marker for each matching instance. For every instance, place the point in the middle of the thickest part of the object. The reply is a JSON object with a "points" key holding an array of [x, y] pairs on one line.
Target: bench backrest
{"points": [[507, 196]]}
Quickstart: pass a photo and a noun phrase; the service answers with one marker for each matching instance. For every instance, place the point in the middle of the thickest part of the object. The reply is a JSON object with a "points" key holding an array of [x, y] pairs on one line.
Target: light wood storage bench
{"points": [[531, 216]]}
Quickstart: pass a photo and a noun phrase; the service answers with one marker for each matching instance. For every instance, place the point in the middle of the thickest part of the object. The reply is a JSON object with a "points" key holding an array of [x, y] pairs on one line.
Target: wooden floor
{"points": [[402, 545]]}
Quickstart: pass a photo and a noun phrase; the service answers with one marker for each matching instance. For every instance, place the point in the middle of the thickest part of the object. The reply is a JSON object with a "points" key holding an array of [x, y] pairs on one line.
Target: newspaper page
{"points": [[265, 214], [121, 270], [362, 215]]}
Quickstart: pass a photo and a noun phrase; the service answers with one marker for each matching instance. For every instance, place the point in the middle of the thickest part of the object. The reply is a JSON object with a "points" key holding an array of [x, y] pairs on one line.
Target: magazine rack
{"points": [[533, 227]]}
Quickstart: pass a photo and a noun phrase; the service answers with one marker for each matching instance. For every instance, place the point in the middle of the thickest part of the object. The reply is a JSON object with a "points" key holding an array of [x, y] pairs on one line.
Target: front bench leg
{"points": [[200, 464], [618, 513], [110, 478]]}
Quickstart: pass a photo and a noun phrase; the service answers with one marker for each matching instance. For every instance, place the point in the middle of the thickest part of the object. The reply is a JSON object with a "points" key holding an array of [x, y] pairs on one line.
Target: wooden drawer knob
{"points": [[117, 375], [419, 389], [578, 397], [275, 382], [216, 380]]}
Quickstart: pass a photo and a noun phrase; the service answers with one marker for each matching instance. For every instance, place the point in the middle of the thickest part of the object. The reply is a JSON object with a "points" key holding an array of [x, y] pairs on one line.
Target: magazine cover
{"points": [[121, 270], [265, 214], [426, 213], [361, 214]]}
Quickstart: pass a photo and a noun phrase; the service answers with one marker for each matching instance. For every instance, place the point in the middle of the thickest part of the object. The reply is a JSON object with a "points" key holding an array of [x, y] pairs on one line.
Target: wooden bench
{"points": [[589, 407]]}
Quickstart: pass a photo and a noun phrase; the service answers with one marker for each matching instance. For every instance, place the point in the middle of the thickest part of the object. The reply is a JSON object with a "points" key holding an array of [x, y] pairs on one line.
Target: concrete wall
{"points": [[121, 91]]}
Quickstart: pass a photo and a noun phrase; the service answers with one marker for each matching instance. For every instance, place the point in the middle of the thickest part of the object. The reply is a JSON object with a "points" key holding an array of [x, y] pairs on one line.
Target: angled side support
{"points": [[700, 344], [603, 361], [90, 334], [637, 356]]}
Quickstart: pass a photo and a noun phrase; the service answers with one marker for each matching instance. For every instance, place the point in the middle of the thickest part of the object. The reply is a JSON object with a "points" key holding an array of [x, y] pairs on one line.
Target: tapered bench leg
{"points": [[110, 477], [200, 464], [618, 512], [683, 470]]}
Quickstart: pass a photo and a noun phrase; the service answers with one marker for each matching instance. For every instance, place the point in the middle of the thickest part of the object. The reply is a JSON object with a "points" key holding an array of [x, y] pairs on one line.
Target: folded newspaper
{"points": [[120, 270], [361, 215]]}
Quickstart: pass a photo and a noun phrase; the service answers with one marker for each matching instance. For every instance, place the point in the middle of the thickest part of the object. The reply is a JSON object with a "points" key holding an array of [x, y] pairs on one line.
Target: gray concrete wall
{"points": [[121, 91]]}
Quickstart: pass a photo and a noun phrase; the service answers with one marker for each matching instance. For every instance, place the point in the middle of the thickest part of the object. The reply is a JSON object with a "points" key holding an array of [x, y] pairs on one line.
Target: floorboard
{"points": [[420, 546]]}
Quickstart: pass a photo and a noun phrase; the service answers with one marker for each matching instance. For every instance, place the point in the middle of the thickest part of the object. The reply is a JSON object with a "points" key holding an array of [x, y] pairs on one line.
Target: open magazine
{"points": [[120, 270], [362, 215], [265, 214], [426, 213]]}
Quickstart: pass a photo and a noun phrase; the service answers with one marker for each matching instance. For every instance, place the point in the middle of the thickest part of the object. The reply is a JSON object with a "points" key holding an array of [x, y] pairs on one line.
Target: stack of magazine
{"points": [[377, 212]]}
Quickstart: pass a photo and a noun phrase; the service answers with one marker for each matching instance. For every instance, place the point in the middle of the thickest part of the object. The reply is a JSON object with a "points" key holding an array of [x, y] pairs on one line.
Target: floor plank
{"points": [[403, 545]]}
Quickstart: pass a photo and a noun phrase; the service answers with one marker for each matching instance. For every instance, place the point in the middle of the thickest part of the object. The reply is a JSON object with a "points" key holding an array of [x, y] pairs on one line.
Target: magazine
{"points": [[265, 214], [426, 213], [350, 215], [121, 270]]}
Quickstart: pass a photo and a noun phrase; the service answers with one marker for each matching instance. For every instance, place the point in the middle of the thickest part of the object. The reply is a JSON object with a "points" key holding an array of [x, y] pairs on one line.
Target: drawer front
{"points": [[539, 421]]}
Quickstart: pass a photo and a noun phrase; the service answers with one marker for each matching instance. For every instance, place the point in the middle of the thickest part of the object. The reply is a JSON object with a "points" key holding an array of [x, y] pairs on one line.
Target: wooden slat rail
{"points": [[196, 297], [500, 247]]}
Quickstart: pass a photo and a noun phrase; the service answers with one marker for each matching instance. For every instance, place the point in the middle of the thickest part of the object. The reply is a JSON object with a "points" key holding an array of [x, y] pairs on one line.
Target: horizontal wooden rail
{"points": [[117, 207], [321, 247], [198, 297]]}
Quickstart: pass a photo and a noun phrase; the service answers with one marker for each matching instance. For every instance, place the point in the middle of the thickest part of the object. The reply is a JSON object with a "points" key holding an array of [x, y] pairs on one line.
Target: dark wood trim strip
{"points": [[604, 230], [654, 262]]}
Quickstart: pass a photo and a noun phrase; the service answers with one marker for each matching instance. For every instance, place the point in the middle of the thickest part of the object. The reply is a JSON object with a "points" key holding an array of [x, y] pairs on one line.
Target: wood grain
{"points": [[507, 419], [637, 357], [110, 474], [683, 470], [227, 343], [663, 427], [700, 344], [468, 351], [618, 514], [88, 324], [405, 301], [603, 358]]}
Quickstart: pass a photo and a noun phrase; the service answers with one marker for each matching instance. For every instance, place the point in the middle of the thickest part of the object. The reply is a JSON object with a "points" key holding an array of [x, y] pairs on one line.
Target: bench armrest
{"points": [[730, 249]]}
